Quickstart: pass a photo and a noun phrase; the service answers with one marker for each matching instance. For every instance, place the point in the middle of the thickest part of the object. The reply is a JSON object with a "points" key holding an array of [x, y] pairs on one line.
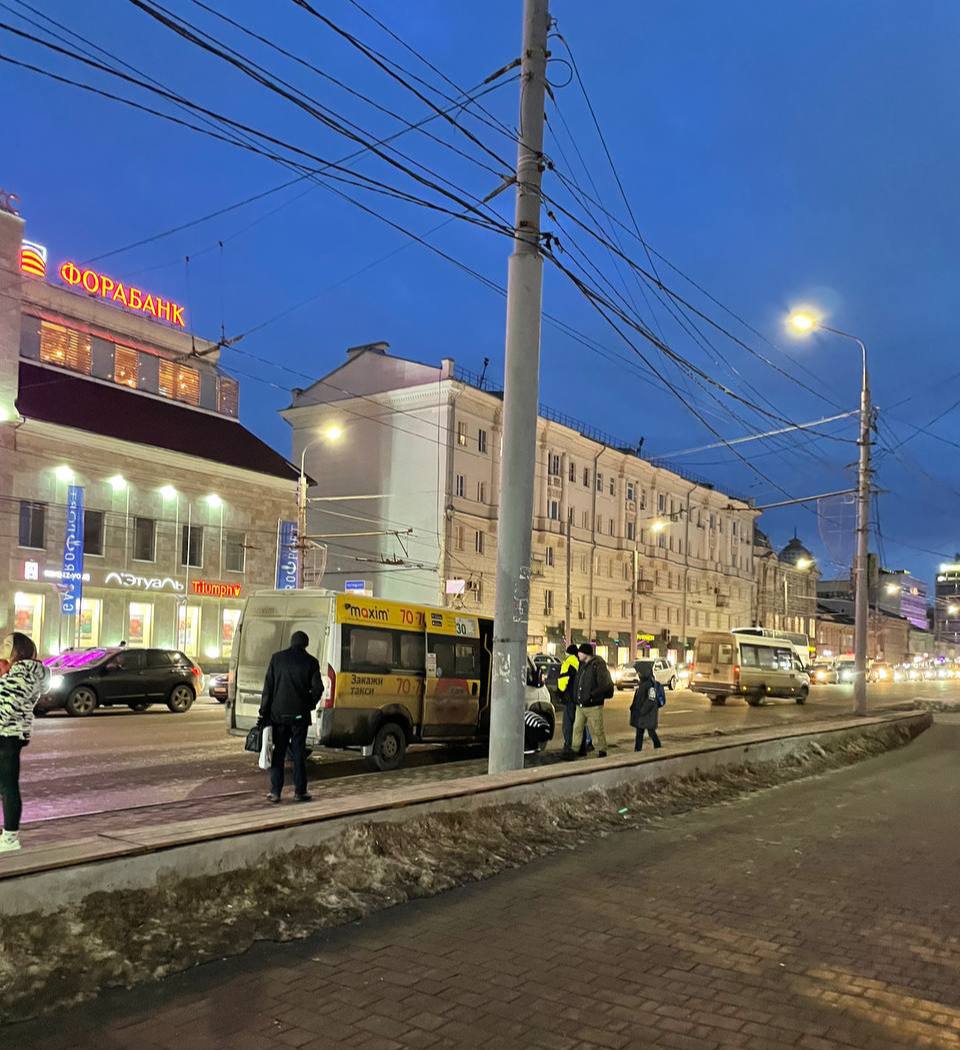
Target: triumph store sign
{"points": [[101, 286]]}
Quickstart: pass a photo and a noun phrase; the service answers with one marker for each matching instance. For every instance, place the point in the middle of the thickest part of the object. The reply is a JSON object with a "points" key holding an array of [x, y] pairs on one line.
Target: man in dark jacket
{"points": [[292, 689], [593, 686]]}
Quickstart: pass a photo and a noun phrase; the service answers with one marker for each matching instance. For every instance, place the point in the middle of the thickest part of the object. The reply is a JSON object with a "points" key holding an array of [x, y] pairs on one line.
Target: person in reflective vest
{"points": [[566, 690]]}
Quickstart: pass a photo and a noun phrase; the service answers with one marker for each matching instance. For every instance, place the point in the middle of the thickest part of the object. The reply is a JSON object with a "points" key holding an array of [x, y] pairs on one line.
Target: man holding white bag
{"points": [[291, 691]]}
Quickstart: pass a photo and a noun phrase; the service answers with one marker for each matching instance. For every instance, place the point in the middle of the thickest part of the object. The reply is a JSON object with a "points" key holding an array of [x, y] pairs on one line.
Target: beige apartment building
{"points": [[406, 457], [106, 399]]}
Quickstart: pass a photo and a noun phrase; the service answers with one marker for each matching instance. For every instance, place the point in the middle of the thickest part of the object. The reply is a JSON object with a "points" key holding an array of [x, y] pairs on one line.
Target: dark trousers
{"points": [[10, 748], [653, 737], [294, 738], [569, 715]]}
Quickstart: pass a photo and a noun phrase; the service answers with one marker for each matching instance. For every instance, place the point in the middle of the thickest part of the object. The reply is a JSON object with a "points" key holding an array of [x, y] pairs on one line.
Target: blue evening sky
{"points": [[777, 153]]}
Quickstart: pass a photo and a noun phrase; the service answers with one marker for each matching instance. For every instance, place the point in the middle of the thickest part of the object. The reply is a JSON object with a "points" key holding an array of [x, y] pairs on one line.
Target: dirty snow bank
{"points": [[126, 938]]}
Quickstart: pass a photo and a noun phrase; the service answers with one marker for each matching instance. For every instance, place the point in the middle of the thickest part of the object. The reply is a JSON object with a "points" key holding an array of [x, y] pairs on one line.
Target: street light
{"points": [[63, 473], [332, 432], [803, 322]]}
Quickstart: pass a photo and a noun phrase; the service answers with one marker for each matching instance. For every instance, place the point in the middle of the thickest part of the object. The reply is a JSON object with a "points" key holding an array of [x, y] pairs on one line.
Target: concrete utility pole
{"points": [[684, 633], [521, 368], [861, 608]]}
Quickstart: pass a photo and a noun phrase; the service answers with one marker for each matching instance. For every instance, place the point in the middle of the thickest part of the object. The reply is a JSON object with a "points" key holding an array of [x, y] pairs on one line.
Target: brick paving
{"points": [[818, 916]]}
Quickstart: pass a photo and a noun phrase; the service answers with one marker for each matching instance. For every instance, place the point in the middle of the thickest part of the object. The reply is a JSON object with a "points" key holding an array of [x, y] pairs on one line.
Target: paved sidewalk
{"points": [[819, 916]]}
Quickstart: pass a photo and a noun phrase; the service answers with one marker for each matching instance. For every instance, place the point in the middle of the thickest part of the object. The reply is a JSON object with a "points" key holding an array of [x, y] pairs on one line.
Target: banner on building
{"points": [[72, 572], [288, 556]]}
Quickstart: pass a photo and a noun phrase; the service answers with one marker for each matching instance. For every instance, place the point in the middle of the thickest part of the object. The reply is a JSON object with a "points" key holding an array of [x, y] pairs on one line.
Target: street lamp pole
{"points": [[805, 322], [331, 433]]}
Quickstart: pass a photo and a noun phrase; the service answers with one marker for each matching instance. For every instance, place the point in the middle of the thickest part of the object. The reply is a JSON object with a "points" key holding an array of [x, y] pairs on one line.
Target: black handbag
{"points": [[254, 740]]}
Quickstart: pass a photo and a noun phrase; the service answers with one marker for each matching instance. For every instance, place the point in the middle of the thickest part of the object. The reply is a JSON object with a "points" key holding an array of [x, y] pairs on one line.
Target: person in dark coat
{"points": [[291, 691], [645, 709], [593, 685]]}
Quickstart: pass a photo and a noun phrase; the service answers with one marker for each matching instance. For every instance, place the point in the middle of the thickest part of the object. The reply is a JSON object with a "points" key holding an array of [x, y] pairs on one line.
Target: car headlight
{"points": [[56, 681]]}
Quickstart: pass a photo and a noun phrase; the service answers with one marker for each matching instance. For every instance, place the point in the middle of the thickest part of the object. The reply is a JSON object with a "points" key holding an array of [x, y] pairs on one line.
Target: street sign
{"points": [[354, 585]]}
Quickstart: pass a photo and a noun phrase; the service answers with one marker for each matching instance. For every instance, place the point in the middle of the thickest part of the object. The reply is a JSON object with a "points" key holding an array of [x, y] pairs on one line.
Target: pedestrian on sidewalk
{"points": [[594, 685], [647, 701], [291, 691], [20, 688], [566, 691]]}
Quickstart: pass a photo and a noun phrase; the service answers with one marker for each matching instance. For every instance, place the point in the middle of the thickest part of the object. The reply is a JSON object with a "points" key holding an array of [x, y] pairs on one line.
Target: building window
{"points": [[228, 396], [125, 366], [93, 532], [66, 347], [462, 434], [144, 539], [28, 614], [555, 464], [609, 607], [191, 546], [458, 538], [643, 499], [631, 530], [571, 514], [584, 564], [33, 520], [572, 471], [140, 623], [623, 608], [547, 603], [179, 382], [599, 481], [234, 551], [548, 556], [228, 630], [631, 491], [91, 616], [661, 540], [461, 485], [482, 441], [599, 523], [481, 492], [661, 503], [613, 486], [478, 542], [586, 478], [554, 510], [586, 519], [188, 629]]}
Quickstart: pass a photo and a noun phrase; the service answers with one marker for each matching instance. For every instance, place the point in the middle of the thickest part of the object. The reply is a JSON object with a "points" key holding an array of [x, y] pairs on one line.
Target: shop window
{"points": [[28, 614], [144, 539], [188, 629], [234, 551], [191, 546], [140, 623], [91, 610], [228, 396], [228, 630], [33, 521], [65, 347], [125, 363], [93, 531]]}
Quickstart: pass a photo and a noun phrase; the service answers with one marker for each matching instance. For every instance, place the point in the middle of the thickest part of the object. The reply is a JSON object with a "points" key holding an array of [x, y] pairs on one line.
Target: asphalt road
{"points": [[116, 759], [818, 916]]}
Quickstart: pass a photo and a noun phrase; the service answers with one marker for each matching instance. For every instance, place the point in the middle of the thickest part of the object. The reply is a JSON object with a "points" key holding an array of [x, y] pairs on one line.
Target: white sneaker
{"points": [[9, 841]]}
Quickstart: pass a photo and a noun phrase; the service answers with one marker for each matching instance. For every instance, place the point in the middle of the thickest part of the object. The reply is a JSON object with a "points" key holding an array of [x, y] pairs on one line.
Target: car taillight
{"points": [[328, 699], [736, 674]]}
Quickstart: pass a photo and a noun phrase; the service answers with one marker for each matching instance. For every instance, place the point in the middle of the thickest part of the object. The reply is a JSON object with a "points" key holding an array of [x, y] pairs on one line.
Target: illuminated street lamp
{"points": [[168, 492], [332, 433], [803, 322], [63, 473]]}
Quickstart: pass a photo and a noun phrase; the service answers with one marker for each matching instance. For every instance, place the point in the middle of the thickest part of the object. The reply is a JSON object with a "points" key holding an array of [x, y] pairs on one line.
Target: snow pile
{"points": [[130, 937]]}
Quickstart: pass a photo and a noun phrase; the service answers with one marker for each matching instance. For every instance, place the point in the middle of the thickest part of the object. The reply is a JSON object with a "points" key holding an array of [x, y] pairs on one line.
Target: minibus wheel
{"points": [[753, 699], [718, 701], [389, 747], [802, 695]]}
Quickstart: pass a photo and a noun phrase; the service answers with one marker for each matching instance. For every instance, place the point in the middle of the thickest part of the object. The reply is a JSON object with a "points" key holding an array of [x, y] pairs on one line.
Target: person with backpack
{"points": [[593, 686], [647, 701]]}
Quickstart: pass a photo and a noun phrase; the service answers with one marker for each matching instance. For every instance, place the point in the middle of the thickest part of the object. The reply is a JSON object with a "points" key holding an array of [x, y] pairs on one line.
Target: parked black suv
{"points": [[84, 679]]}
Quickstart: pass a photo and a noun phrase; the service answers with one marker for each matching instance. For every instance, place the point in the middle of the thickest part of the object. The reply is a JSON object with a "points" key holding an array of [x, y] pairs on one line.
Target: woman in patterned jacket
{"points": [[20, 688]]}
